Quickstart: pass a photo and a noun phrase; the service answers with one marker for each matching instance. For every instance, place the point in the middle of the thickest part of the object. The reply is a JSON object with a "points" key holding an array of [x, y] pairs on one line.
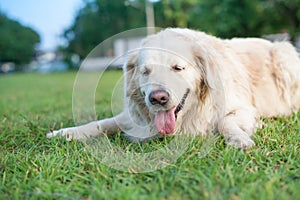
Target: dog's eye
{"points": [[146, 71], [177, 68]]}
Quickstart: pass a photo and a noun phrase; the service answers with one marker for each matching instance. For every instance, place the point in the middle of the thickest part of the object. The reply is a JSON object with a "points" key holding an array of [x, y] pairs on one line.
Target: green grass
{"points": [[34, 167]]}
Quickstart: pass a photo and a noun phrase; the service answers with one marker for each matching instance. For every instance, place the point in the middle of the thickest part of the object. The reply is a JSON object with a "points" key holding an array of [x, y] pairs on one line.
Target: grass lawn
{"points": [[34, 167]]}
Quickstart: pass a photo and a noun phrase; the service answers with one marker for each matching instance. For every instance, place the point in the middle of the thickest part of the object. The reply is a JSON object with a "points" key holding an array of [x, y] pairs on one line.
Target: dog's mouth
{"points": [[165, 119]]}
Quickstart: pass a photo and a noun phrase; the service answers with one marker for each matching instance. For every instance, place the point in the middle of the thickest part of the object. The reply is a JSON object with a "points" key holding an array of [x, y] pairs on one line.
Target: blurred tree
{"points": [[229, 18], [289, 10], [17, 42], [174, 13], [224, 18], [99, 20]]}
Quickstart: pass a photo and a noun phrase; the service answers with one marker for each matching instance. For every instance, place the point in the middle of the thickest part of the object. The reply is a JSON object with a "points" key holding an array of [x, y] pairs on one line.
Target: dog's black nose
{"points": [[160, 97]]}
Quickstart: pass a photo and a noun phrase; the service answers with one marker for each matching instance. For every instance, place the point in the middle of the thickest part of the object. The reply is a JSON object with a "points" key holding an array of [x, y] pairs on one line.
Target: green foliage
{"points": [[174, 13], [17, 42], [34, 167], [229, 18]]}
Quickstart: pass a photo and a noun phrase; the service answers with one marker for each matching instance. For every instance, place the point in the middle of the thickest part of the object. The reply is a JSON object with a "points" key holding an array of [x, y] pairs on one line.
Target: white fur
{"points": [[232, 84]]}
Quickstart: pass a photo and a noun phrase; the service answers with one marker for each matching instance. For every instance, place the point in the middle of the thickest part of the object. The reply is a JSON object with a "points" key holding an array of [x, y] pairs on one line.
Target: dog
{"points": [[182, 81]]}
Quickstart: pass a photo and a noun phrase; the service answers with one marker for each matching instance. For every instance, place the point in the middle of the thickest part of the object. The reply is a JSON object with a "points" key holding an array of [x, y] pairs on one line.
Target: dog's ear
{"points": [[129, 69], [207, 60]]}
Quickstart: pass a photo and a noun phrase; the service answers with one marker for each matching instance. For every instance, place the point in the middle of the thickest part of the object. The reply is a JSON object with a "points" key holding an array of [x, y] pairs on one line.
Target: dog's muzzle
{"points": [[165, 119]]}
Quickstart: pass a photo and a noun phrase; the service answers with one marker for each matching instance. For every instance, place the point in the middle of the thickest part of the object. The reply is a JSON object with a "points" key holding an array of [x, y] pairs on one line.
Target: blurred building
{"points": [[115, 59]]}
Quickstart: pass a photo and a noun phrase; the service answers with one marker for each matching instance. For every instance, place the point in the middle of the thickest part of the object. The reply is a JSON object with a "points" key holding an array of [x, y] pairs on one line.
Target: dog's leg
{"points": [[92, 129], [238, 126]]}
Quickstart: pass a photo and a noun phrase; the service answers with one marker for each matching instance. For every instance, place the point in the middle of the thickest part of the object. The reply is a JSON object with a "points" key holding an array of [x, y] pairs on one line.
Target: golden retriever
{"points": [[183, 81]]}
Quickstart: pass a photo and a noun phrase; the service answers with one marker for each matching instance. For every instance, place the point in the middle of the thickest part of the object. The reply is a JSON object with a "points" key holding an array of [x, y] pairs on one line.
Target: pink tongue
{"points": [[165, 121]]}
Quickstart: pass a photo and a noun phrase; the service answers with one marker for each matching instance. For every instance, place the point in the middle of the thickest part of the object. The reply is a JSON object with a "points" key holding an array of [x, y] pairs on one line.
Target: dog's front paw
{"points": [[240, 141], [68, 133]]}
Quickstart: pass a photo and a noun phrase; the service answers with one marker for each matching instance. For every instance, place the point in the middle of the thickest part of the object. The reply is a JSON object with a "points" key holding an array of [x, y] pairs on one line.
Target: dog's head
{"points": [[169, 77]]}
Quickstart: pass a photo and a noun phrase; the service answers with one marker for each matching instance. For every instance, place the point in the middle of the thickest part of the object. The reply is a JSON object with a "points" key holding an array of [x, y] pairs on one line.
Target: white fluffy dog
{"points": [[184, 81]]}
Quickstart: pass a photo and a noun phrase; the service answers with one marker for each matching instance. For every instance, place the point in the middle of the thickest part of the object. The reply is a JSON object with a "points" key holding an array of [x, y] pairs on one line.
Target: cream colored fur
{"points": [[232, 84]]}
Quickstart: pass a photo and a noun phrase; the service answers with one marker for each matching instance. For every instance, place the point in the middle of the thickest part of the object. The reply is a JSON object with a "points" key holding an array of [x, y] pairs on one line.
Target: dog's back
{"points": [[274, 74]]}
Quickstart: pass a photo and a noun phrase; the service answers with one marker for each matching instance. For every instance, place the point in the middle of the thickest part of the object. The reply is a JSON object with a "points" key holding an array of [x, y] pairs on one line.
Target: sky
{"points": [[48, 17]]}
